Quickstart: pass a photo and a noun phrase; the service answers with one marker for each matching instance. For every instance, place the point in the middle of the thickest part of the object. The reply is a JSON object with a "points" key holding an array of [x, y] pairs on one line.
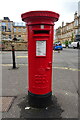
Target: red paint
{"points": [[40, 67]]}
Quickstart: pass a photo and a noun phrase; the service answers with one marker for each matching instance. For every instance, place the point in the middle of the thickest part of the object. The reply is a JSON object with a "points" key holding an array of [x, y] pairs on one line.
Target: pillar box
{"points": [[40, 26]]}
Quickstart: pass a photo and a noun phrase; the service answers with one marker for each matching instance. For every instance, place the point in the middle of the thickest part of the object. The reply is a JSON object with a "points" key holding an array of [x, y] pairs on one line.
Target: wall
{"points": [[6, 45]]}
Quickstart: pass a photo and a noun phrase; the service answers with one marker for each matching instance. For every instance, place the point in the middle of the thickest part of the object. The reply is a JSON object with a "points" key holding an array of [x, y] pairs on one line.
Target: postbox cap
{"points": [[39, 17]]}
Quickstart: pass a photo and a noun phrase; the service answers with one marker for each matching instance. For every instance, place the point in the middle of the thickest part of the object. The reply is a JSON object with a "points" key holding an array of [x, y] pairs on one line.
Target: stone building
{"points": [[0, 31], [69, 32], [79, 8], [19, 32], [13, 31]]}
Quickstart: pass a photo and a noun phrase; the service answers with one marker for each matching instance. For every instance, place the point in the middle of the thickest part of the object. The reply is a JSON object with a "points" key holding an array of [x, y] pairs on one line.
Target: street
{"points": [[64, 86], [66, 58]]}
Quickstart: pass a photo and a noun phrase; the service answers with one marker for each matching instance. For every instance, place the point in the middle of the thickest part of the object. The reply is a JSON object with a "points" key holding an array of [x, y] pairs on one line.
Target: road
{"points": [[65, 79], [66, 58]]}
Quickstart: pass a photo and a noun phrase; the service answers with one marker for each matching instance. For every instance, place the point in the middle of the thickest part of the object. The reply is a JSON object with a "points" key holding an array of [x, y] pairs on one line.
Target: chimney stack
{"points": [[75, 15], [62, 24]]}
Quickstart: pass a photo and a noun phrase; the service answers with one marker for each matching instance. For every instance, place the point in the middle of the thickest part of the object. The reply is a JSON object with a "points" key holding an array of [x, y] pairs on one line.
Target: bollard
{"points": [[13, 57], [40, 26]]}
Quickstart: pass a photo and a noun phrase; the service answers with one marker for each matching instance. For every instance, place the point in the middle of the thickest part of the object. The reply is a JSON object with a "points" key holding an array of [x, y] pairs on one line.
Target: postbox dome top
{"points": [[40, 15]]}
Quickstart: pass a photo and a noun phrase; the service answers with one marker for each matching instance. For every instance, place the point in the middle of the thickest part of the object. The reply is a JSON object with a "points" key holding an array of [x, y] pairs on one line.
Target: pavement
{"points": [[6, 102], [64, 89]]}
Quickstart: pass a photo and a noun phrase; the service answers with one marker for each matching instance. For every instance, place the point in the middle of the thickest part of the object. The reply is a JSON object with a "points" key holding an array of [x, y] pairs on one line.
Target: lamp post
{"points": [[13, 56]]}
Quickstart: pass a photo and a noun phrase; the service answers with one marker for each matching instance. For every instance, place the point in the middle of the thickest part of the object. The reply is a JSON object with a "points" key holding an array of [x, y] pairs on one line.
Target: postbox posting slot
{"points": [[41, 31], [41, 48]]}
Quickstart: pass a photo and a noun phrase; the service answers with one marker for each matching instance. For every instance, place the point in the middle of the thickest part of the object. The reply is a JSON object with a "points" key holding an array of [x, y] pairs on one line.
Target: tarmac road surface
{"points": [[65, 84]]}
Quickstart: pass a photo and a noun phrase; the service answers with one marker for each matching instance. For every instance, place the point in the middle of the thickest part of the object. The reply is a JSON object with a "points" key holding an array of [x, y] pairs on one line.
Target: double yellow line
{"points": [[61, 68], [21, 56], [66, 68]]}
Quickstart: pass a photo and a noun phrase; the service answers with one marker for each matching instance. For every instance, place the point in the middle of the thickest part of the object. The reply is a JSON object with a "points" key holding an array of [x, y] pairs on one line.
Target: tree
{"points": [[72, 38], [66, 43]]}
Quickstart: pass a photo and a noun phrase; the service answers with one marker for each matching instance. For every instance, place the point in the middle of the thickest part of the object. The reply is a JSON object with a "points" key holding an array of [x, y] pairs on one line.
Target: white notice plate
{"points": [[41, 48]]}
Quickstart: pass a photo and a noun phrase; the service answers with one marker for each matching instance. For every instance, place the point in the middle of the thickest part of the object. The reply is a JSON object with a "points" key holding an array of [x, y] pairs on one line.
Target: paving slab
{"points": [[22, 109], [6, 103], [65, 105]]}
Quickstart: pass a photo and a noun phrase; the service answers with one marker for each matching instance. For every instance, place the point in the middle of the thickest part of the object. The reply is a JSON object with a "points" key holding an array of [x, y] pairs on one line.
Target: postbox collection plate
{"points": [[41, 48]]}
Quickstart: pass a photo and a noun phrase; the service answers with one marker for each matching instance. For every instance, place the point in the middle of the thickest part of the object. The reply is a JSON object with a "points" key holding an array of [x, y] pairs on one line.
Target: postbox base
{"points": [[40, 101]]}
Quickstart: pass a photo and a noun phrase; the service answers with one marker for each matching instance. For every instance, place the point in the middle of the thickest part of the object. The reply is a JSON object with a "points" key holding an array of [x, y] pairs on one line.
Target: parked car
{"points": [[70, 46], [63, 45], [73, 45], [57, 46]]}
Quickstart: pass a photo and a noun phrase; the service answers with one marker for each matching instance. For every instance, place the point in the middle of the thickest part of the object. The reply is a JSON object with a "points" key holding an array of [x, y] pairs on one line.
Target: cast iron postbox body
{"points": [[40, 26]]}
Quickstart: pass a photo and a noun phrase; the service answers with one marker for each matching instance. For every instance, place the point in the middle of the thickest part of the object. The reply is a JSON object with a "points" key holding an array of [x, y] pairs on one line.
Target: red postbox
{"points": [[40, 26]]}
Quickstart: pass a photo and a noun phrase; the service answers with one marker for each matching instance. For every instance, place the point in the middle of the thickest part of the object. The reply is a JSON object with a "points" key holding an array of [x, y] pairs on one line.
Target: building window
{"points": [[76, 23], [0, 29], [14, 29], [14, 36], [19, 35], [24, 29], [9, 26], [3, 36], [19, 29], [3, 24], [10, 37], [4, 28], [76, 31]]}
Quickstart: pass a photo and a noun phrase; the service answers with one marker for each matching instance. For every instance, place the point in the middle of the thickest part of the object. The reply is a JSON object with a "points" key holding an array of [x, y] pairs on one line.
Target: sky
{"points": [[14, 8]]}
